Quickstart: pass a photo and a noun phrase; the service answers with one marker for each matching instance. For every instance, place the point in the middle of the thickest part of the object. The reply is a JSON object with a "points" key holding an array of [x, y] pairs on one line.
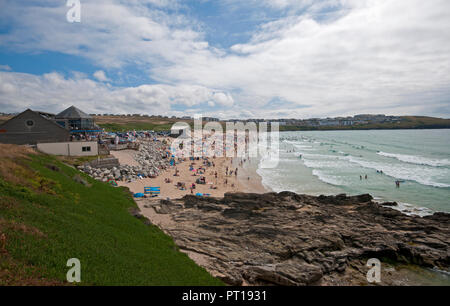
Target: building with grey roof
{"points": [[73, 119], [31, 127]]}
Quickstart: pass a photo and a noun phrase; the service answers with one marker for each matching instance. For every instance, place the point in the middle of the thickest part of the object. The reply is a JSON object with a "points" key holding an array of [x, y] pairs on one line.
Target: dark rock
{"points": [[77, 178], [166, 207], [135, 212], [290, 239], [390, 204], [53, 167], [364, 198]]}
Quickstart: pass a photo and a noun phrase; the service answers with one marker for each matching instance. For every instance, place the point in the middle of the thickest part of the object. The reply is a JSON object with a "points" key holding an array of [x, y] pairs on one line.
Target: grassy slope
{"points": [[120, 123], [54, 219]]}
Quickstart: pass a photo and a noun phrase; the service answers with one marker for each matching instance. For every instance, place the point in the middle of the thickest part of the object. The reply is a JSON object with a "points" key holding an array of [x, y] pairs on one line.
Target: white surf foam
{"points": [[329, 179], [421, 175], [409, 209], [329, 164], [418, 160]]}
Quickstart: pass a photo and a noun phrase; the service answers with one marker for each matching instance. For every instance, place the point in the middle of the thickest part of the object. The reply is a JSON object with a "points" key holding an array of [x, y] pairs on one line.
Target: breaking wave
{"points": [[420, 175], [418, 160], [329, 179]]}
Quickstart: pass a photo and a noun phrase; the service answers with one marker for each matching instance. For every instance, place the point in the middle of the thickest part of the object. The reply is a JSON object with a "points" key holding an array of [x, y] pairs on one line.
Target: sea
{"points": [[335, 162]]}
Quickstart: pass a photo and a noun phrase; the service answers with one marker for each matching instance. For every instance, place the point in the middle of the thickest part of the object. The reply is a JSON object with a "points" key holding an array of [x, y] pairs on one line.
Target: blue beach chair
{"points": [[152, 191]]}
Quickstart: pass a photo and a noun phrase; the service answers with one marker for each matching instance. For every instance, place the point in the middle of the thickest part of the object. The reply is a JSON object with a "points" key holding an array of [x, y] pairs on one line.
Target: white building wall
{"points": [[69, 148]]}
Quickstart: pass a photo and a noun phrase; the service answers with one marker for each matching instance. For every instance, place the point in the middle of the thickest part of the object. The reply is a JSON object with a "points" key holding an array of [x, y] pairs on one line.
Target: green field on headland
{"points": [[50, 212], [408, 122], [129, 123], [117, 124]]}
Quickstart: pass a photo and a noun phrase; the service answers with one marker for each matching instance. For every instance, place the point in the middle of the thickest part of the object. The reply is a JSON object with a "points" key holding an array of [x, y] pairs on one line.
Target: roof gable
{"points": [[72, 113], [30, 114]]}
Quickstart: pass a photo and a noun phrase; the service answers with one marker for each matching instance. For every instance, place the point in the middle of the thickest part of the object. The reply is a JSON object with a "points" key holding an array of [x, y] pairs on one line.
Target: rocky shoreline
{"points": [[291, 239]]}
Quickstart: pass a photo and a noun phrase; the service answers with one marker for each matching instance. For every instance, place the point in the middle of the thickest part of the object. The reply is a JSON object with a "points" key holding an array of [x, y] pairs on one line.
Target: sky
{"points": [[227, 58]]}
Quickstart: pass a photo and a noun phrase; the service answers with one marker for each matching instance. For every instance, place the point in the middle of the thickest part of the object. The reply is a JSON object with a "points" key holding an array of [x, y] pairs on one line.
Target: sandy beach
{"points": [[247, 179]]}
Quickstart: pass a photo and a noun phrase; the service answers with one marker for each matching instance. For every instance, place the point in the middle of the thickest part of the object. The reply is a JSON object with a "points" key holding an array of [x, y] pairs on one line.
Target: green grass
{"points": [[65, 219], [80, 160], [409, 122]]}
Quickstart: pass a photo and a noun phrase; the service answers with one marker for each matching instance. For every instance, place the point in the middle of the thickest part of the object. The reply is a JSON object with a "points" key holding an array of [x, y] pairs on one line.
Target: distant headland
{"points": [[126, 122]]}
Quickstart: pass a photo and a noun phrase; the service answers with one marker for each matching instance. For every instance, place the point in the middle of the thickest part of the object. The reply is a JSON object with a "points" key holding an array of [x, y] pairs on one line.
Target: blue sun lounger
{"points": [[203, 194], [152, 191]]}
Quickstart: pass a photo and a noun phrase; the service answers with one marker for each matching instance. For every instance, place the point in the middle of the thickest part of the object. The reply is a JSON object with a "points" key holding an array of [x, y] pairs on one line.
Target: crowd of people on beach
{"points": [[199, 167], [205, 169]]}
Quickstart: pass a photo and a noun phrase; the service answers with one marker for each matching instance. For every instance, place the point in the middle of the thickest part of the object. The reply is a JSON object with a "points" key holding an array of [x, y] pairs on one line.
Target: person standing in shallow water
{"points": [[366, 177]]}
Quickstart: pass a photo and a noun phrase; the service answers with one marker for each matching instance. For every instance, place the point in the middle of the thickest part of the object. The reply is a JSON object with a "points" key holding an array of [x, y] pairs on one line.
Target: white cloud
{"points": [[5, 67], [101, 76], [112, 33], [363, 56], [381, 56], [53, 92]]}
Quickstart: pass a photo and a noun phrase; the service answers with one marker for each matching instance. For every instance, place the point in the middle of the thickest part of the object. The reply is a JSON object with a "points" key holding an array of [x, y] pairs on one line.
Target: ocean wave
{"points": [[418, 174], [409, 209], [320, 156], [315, 164], [304, 147], [329, 179], [273, 180], [418, 160], [414, 172], [288, 160]]}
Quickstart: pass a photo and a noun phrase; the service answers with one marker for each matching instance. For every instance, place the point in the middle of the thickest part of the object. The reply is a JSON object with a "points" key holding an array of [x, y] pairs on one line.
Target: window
{"points": [[29, 123], [86, 149]]}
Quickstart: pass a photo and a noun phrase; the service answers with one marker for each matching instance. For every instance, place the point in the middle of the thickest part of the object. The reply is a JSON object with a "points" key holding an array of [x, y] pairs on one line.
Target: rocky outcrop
{"points": [[291, 239]]}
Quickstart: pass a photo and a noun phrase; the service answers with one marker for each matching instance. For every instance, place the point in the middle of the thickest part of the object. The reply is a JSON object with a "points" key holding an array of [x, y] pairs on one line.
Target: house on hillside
{"points": [[32, 127], [75, 120]]}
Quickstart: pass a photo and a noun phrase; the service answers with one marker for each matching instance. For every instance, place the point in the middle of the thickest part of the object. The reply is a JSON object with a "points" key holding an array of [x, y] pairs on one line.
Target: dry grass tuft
{"points": [[6, 225], [15, 151], [11, 169], [14, 273], [8, 203]]}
